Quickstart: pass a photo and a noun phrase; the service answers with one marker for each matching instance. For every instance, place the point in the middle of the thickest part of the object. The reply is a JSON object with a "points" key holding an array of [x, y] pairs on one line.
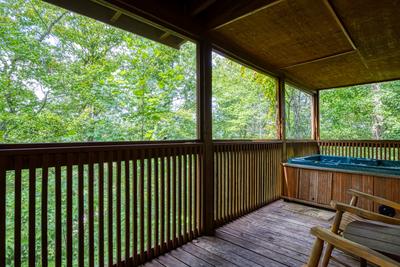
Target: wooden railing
{"points": [[386, 150], [116, 203], [299, 148], [98, 204], [246, 177]]}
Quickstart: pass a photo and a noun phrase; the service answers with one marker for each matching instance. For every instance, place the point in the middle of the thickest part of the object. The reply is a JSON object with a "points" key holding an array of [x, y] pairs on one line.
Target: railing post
{"points": [[282, 116], [204, 93], [315, 116]]}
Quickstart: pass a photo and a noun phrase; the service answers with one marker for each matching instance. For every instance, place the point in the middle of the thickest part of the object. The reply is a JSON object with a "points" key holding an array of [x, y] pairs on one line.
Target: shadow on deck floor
{"points": [[275, 235]]}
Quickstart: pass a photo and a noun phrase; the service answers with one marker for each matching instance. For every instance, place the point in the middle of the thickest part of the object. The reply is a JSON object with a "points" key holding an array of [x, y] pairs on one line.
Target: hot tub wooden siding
{"points": [[319, 187]]}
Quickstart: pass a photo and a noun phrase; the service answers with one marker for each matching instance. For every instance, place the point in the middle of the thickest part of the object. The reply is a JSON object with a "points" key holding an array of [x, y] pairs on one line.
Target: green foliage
{"points": [[65, 77], [361, 112], [244, 102], [298, 113]]}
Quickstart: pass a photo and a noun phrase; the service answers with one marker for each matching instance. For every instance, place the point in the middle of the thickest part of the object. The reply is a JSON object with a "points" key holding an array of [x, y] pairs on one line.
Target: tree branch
{"points": [[50, 27]]}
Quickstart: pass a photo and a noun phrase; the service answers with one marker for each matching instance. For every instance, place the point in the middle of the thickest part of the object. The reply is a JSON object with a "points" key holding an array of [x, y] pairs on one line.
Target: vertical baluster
{"points": [[197, 195], [149, 204], [17, 212], [69, 208], [156, 205], [168, 190], [163, 200], [190, 188], [110, 236], [2, 210], [32, 207], [179, 196], [100, 198], [141, 186], [219, 186], [58, 221], [118, 206], [174, 174], [81, 233], [185, 199], [127, 207], [134, 205], [91, 210]]}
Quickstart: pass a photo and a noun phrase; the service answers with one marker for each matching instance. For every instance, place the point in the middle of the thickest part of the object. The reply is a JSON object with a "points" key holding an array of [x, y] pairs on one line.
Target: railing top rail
{"points": [[11, 150], [359, 141], [291, 141], [245, 142]]}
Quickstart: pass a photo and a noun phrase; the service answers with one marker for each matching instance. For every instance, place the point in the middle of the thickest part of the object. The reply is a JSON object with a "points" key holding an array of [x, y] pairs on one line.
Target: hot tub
{"points": [[319, 179], [381, 167]]}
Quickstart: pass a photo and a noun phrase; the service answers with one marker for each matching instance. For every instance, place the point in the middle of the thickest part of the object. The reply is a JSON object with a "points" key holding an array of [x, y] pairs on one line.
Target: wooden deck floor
{"points": [[275, 235]]}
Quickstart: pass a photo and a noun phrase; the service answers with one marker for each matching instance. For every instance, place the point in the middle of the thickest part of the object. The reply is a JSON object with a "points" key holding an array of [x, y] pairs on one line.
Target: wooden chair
{"points": [[341, 235]]}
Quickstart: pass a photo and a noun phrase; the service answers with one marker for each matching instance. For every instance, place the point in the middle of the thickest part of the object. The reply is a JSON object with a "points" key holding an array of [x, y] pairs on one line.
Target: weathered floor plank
{"points": [[275, 235]]}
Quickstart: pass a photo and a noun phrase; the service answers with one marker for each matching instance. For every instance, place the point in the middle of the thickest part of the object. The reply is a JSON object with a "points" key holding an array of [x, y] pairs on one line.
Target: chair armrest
{"points": [[369, 215], [352, 247], [379, 200]]}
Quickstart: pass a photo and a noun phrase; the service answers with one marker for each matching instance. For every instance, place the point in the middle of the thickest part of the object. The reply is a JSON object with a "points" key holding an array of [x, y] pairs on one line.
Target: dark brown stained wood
{"points": [[174, 196], [2, 210], [156, 206], [17, 213], [118, 206], [141, 193], [162, 203], [149, 177], [168, 200], [91, 210], [58, 234], [185, 197], [135, 202], [81, 233], [69, 210], [32, 217], [127, 206], [179, 211], [190, 188], [204, 96], [100, 198]]}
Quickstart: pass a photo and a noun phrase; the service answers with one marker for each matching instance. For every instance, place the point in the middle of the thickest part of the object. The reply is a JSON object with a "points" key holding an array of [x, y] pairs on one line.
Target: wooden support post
{"points": [[315, 116], [204, 72], [282, 116]]}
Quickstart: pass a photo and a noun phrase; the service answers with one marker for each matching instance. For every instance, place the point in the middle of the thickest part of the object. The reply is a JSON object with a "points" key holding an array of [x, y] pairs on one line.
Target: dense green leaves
{"points": [[244, 102], [369, 111], [298, 113], [65, 77]]}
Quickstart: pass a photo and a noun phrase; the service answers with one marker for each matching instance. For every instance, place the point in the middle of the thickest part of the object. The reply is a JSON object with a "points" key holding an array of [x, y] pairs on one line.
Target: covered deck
{"points": [[275, 235], [203, 202]]}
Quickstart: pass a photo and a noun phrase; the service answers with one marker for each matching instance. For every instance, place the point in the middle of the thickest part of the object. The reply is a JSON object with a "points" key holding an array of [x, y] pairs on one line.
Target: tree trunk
{"points": [[377, 112]]}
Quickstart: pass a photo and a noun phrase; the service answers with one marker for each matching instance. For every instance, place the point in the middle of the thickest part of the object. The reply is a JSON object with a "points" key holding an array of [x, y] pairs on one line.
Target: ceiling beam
{"points": [[319, 59], [225, 12], [199, 6]]}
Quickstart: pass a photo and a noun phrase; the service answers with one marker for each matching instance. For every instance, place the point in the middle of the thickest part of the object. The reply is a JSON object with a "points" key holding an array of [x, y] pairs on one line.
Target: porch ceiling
{"points": [[317, 44]]}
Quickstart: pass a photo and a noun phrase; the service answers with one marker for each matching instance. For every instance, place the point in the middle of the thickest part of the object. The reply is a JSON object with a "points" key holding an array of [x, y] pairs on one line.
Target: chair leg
{"points": [[327, 255], [316, 253]]}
